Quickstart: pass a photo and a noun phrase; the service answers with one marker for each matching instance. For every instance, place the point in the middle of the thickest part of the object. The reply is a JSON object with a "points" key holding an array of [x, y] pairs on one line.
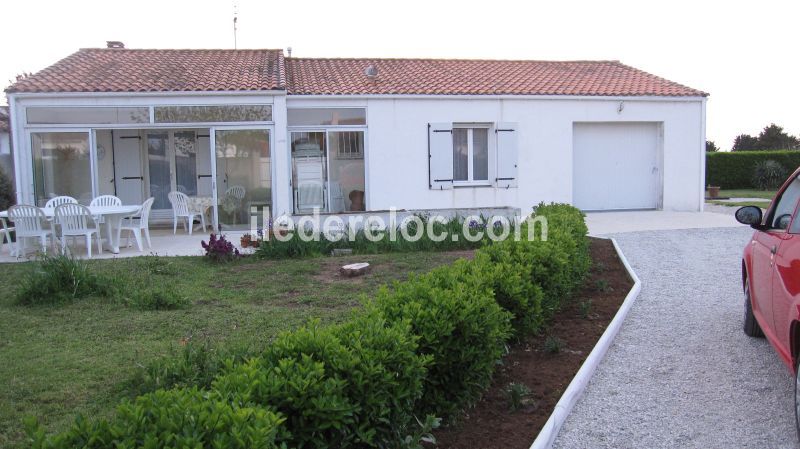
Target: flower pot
{"points": [[713, 191]]}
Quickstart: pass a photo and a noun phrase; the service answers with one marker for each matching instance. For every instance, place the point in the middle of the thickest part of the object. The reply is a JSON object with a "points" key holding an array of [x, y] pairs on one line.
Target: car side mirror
{"points": [[783, 222], [750, 215]]}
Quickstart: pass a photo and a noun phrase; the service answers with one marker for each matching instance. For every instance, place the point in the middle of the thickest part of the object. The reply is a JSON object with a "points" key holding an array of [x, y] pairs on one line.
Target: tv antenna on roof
{"points": [[235, 19]]}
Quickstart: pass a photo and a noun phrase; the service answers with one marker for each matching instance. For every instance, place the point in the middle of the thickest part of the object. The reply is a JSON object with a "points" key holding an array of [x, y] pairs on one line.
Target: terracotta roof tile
{"points": [[312, 76], [133, 70]]}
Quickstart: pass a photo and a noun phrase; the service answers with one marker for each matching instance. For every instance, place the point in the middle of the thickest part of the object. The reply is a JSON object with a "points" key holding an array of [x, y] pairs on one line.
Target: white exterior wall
{"points": [[397, 147]]}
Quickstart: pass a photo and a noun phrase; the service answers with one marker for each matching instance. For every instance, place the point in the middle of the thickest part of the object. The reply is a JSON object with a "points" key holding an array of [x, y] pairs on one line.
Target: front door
{"points": [[174, 162]]}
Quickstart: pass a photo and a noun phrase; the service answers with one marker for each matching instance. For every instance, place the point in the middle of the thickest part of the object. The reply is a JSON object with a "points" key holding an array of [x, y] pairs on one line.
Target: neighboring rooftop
{"points": [[131, 70]]}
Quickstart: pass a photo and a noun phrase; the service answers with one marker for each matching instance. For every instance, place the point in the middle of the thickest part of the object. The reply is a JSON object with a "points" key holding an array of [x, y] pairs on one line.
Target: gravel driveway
{"points": [[681, 373]]}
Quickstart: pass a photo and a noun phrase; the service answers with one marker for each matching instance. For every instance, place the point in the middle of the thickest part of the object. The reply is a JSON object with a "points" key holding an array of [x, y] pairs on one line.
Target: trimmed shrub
{"points": [[194, 365], [170, 419], [351, 385], [61, 278], [734, 170], [459, 325]]}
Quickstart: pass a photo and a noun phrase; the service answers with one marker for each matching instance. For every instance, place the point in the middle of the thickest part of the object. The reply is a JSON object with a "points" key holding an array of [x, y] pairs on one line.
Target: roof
{"points": [[133, 70], [310, 76]]}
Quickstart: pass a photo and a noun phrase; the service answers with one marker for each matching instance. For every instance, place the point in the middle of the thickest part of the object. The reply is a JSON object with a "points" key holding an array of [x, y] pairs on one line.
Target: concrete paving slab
{"points": [[604, 223]]}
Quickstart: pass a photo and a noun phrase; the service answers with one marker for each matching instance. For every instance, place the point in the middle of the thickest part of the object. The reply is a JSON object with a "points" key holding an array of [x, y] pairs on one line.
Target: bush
{"points": [[735, 170], [7, 196], [166, 419], [320, 245], [459, 325], [219, 249], [351, 385], [60, 278], [768, 175], [195, 365]]}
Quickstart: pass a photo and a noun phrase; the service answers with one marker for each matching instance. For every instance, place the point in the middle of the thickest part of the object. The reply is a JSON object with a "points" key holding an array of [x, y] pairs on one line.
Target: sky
{"points": [[741, 52]]}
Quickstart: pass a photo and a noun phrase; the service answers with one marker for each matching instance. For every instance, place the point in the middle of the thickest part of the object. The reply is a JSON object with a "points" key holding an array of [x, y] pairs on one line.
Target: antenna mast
{"points": [[235, 19]]}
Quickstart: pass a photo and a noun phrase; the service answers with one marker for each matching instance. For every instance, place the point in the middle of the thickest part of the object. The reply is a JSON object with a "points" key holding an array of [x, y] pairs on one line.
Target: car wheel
{"points": [[751, 327]]}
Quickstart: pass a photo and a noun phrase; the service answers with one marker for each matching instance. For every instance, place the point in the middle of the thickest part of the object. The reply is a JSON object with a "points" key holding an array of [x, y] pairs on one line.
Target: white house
{"points": [[253, 128]]}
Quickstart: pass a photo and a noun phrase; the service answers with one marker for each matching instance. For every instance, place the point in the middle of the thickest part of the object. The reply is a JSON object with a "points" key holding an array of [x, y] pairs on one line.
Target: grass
{"points": [[767, 196], [78, 356]]}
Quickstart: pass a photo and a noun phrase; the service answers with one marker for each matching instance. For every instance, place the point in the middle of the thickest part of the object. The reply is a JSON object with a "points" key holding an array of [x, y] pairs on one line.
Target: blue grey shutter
{"points": [[440, 156], [506, 155]]}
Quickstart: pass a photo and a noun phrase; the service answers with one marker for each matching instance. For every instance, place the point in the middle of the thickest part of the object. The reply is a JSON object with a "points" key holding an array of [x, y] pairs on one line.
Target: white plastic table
{"points": [[112, 217]]}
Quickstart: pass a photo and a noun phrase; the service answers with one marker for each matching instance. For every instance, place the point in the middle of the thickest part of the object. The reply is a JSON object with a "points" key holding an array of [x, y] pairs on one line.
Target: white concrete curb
{"points": [[575, 389]]}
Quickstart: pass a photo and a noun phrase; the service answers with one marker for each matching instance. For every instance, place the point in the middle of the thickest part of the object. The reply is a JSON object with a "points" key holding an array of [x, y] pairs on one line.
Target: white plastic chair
{"points": [[75, 221], [106, 200], [180, 209], [237, 192], [5, 237], [138, 224], [309, 195], [52, 203], [30, 223]]}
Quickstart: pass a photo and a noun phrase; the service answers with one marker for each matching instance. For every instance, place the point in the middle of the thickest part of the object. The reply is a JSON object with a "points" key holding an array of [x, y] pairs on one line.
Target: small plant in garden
{"points": [[166, 298], [768, 175], [601, 285], [585, 308], [553, 344], [59, 278], [219, 249], [517, 393]]}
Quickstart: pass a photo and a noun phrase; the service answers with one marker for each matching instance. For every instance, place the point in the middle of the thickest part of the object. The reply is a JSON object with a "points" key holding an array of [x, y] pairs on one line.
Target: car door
{"points": [[786, 272], [765, 247]]}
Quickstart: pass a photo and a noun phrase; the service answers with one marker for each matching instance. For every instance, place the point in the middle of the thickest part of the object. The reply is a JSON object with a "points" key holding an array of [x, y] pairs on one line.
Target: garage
{"points": [[616, 166]]}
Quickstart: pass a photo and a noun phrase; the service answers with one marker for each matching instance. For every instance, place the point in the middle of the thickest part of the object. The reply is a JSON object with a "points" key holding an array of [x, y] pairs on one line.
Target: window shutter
{"points": [[440, 156], [506, 155]]}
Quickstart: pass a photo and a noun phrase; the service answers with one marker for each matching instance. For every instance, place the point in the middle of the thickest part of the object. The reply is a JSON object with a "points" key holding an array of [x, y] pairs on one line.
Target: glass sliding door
{"points": [[159, 168], [244, 175], [185, 145], [328, 171], [61, 166]]}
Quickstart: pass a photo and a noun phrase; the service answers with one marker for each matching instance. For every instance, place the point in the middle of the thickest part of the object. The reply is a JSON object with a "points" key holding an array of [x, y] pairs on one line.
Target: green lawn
{"points": [[59, 360], [747, 193]]}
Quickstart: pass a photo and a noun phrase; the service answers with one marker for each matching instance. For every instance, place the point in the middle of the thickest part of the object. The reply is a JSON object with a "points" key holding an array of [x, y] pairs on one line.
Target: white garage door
{"points": [[616, 166]]}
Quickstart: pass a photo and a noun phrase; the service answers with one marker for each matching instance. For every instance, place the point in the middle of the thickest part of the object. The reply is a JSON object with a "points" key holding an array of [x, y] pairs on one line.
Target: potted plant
{"points": [[713, 191], [245, 241]]}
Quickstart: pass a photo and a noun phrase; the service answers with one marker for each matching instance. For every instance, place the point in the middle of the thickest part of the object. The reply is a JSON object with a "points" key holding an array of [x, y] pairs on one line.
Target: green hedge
{"points": [[734, 170], [420, 348]]}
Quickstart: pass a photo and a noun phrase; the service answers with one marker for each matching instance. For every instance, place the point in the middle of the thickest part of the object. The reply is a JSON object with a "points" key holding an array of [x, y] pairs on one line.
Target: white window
{"points": [[470, 154], [463, 155]]}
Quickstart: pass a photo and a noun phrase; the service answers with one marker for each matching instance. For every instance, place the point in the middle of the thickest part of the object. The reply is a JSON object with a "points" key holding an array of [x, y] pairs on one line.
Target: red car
{"points": [[771, 276]]}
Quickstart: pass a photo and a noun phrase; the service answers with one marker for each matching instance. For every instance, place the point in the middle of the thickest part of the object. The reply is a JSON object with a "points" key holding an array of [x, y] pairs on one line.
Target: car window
{"points": [[785, 206]]}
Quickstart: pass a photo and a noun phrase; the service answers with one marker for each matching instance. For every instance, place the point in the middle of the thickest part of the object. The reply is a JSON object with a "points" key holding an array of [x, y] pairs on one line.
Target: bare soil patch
{"points": [[578, 325]]}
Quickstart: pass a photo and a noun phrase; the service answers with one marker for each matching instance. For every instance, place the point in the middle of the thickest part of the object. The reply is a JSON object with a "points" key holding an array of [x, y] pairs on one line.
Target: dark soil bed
{"points": [[492, 423]]}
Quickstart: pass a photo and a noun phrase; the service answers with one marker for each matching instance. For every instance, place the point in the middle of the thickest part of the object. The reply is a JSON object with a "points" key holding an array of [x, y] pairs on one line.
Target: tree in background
{"points": [[772, 137], [7, 196], [745, 142], [711, 147]]}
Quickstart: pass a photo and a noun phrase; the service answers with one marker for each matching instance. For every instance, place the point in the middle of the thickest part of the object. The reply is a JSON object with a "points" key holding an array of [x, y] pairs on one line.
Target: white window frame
{"points": [[470, 181]]}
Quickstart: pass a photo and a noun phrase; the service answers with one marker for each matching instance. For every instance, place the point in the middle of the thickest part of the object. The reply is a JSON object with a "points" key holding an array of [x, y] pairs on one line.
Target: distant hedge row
{"points": [[420, 348], [734, 170]]}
